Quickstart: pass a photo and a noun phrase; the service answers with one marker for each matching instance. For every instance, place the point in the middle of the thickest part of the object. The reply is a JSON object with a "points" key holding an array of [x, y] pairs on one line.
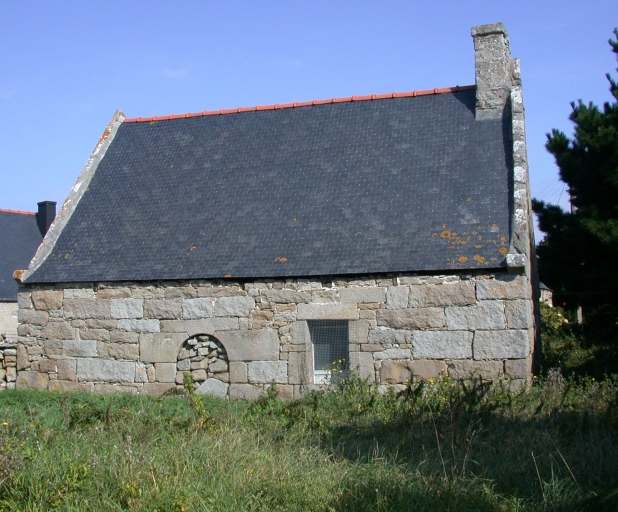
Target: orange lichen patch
{"points": [[192, 249], [462, 259], [502, 250], [434, 234], [358, 233], [17, 275], [445, 234], [227, 276], [281, 259], [479, 258], [494, 225], [469, 199], [502, 239]]}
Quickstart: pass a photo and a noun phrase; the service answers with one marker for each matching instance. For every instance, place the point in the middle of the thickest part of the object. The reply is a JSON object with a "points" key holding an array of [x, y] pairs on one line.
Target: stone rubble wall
{"points": [[107, 337], [8, 365]]}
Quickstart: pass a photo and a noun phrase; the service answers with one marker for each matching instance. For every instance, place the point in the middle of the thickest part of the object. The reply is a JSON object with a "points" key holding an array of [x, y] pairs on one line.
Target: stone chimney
{"points": [[495, 70]]}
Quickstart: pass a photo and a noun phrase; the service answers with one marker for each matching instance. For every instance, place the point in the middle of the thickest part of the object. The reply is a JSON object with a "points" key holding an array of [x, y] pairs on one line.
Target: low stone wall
{"points": [[142, 337], [8, 365]]}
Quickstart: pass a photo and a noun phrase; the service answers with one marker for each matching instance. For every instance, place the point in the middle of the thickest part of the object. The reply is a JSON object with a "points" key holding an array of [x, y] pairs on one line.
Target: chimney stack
{"points": [[45, 216], [495, 70]]}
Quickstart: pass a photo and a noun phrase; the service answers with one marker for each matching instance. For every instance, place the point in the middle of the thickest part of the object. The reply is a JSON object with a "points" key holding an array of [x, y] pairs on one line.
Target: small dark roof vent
{"points": [[45, 216]]}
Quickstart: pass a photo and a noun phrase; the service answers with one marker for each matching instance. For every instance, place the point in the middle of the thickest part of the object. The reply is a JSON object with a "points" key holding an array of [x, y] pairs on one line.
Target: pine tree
{"points": [[578, 258]]}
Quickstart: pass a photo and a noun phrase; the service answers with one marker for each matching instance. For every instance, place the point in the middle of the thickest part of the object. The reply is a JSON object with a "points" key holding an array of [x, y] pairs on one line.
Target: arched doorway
{"points": [[205, 357]]}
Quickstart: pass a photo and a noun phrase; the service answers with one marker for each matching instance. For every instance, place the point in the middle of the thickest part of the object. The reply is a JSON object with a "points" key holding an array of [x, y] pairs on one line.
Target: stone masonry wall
{"points": [[237, 338]]}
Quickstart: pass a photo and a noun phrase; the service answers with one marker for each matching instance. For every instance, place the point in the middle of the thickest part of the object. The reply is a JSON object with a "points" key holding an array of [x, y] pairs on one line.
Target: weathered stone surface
{"points": [[204, 326], [397, 297], [99, 323], [264, 372], [165, 372], [286, 296], [234, 306], [389, 336], [47, 365], [361, 294], [32, 380], [138, 325], [160, 347], [65, 386], [506, 287], [180, 292], [52, 347], [427, 369], [488, 314], [59, 331], [156, 389], [30, 316], [162, 309], [24, 300], [417, 318], [67, 369], [22, 358], [456, 294], [128, 351], [362, 362], [79, 293], [442, 344], [256, 345], [245, 391], [511, 344], [395, 372], [193, 309], [238, 372], [518, 314], [47, 299], [358, 331], [328, 311], [93, 334], [126, 308], [213, 387], [322, 296], [217, 366], [79, 348], [486, 370], [105, 370], [113, 293], [393, 353], [518, 368], [123, 337], [86, 308]]}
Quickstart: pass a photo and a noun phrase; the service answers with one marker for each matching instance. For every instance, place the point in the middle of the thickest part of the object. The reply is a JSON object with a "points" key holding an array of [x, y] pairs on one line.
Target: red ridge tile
{"points": [[296, 104], [2, 210]]}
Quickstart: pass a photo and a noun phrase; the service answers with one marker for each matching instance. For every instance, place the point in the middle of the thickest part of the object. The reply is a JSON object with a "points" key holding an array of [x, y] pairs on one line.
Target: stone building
{"points": [[290, 243], [20, 236]]}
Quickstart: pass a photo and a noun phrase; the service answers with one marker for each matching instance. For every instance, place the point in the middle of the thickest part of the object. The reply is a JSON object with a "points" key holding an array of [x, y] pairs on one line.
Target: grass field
{"points": [[436, 446]]}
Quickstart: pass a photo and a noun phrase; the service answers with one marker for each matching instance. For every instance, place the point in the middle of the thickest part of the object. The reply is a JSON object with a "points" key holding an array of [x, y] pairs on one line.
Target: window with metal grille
{"points": [[330, 340]]}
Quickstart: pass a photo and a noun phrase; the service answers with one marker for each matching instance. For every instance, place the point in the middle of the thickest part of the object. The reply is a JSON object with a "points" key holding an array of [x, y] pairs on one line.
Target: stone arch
{"points": [[206, 358]]}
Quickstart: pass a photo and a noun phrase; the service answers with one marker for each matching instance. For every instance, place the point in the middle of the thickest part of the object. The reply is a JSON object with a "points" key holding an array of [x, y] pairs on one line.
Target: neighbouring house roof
{"points": [[19, 239], [406, 182]]}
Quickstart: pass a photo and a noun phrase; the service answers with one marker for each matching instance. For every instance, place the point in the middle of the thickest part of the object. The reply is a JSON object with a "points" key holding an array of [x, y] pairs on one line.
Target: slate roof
{"points": [[19, 240], [410, 183]]}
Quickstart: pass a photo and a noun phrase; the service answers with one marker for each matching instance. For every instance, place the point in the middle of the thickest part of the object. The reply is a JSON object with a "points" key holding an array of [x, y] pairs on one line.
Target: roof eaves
{"points": [[297, 104]]}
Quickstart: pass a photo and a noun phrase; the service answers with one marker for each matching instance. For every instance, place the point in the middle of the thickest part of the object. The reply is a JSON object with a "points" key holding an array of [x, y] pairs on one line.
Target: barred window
{"points": [[330, 340]]}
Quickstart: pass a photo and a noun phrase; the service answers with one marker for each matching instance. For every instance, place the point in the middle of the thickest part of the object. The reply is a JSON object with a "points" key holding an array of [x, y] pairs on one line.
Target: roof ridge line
{"points": [[296, 104], [3, 210]]}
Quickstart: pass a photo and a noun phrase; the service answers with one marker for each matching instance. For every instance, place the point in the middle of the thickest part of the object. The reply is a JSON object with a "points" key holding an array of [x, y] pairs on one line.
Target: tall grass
{"points": [[440, 445]]}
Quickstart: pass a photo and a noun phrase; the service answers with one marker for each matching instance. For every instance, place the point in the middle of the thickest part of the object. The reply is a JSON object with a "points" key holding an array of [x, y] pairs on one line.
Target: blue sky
{"points": [[68, 65]]}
